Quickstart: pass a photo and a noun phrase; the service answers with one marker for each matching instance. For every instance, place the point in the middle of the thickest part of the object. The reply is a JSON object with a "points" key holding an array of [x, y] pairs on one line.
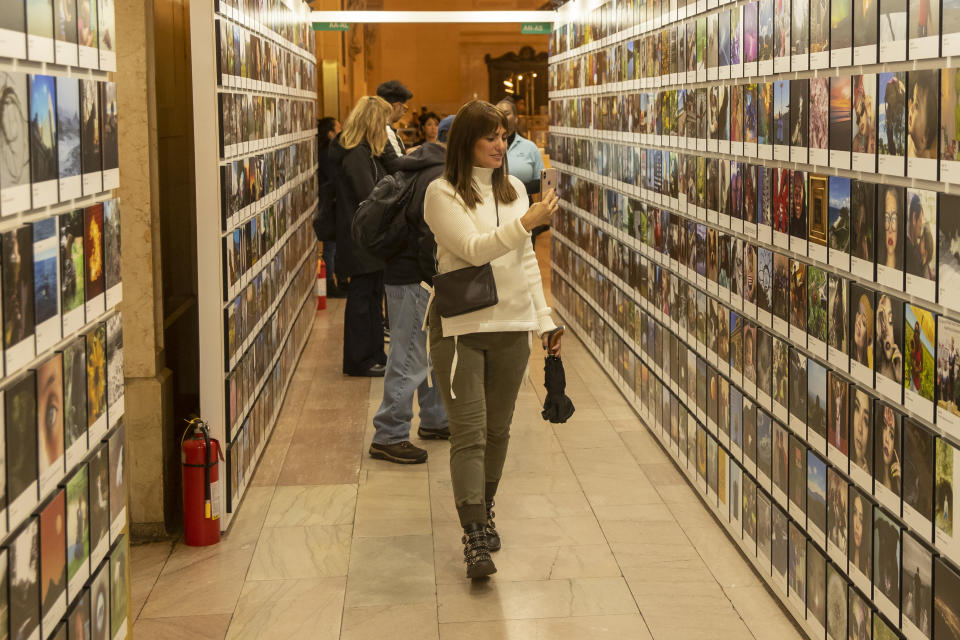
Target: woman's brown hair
{"points": [[475, 120]]}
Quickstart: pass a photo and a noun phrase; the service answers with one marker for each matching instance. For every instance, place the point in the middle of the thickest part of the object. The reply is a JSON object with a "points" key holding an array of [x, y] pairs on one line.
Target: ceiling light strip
{"points": [[411, 17]]}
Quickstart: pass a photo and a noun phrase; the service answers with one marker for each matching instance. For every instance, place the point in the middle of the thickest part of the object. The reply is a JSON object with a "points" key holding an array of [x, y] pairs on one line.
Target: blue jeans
{"points": [[407, 369]]}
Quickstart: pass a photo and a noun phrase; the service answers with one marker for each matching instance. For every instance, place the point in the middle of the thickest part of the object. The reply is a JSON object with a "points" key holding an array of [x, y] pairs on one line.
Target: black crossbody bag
{"points": [[466, 290]]}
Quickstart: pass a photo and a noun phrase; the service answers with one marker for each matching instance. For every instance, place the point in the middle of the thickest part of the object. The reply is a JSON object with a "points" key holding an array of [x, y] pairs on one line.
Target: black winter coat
{"points": [[356, 172], [417, 261]]}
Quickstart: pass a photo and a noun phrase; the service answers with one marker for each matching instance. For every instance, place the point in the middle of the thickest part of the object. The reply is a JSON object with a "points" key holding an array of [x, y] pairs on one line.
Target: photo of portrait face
{"points": [[838, 433], [781, 200], [861, 450], [750, 273], [861, 324], [892, 113], [922, 122], [837, 491], [890, 223], [864, 106], [918, 454], [946, 600], [887, 459], [798, 204], [920, 250], [749, 352], [861, 531], [798, 294], [889, 350], [50, 412], [781, 286]]}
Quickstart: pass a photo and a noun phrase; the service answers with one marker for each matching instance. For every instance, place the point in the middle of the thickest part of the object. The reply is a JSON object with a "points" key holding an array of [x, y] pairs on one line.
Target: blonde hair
{"points": [[367, 123]]}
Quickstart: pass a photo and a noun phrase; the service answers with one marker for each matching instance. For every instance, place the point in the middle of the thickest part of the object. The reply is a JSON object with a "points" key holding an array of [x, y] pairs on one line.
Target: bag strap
{"points": [[497, 207]]}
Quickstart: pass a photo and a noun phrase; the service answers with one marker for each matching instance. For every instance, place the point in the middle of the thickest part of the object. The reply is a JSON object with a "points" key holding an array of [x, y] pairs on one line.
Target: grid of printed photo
{"points": [[63, 479], [758, 236], [266, 86]]}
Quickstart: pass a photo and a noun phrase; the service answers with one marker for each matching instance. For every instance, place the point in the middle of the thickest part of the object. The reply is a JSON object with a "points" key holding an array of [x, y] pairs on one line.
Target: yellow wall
{"points": [[443, 65]]}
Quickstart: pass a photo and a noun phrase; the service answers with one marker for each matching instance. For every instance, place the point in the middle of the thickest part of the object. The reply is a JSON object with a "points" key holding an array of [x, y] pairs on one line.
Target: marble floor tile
{"points": [[514, 564], [397, 622], [312, 505], [194, 593], [301, 552], [391, 571], [146, 563], [762, 614], [199, 627], [308, 608], [593, 627], [585, 561]]}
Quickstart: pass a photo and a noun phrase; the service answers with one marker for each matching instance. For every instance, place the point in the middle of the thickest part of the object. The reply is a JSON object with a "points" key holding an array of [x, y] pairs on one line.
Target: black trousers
{"points": [[363, 324]]}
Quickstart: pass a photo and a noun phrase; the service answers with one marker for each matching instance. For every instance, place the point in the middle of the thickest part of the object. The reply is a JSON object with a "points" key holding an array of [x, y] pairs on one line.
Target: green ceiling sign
{"points": [[535, 28], [331, 26]]}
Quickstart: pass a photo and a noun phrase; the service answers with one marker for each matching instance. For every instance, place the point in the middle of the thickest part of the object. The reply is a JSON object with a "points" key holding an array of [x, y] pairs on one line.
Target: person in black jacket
{"points": [[327, 130], [355, 157], [407, 369]]}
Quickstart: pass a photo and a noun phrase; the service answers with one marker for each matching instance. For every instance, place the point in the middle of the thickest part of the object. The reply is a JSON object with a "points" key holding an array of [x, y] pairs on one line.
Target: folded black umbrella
{"points": [[557, 407]]}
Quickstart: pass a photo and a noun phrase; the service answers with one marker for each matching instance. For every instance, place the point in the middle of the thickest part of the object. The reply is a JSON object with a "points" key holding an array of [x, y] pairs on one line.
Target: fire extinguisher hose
{"points": [[206, 472]]}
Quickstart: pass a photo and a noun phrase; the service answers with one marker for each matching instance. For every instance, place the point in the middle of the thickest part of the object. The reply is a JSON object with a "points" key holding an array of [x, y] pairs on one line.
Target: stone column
{"points": [[148, 413]]}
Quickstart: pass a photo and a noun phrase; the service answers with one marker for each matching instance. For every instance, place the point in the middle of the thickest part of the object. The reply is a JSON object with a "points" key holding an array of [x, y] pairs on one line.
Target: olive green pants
{"points": [[488, 375]]}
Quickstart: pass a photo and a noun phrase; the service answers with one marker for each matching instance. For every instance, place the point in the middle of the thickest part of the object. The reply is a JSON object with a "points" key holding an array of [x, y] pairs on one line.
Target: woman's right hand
{"points": [[542, 212]]}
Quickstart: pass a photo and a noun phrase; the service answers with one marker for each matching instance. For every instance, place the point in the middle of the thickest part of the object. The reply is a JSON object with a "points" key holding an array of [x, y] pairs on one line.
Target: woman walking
{"points": [[355, 156], [478, 215]]}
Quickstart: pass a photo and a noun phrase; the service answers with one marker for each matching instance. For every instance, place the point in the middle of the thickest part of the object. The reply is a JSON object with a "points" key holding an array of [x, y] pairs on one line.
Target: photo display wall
{"points": [[759, 234], [266, 115], [63, 473]]}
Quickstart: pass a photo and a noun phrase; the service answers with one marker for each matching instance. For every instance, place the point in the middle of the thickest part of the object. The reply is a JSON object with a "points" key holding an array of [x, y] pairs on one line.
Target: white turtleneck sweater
{"points": [[470, 237]]}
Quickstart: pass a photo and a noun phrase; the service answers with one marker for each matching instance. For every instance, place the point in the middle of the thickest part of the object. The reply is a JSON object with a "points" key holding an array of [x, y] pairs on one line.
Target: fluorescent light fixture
{"points": [[507, 83], [360, 17], [520, 77]]}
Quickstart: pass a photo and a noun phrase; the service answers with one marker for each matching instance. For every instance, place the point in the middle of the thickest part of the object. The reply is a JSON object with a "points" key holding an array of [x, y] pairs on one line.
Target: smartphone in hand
{"points": [[548, 180]]}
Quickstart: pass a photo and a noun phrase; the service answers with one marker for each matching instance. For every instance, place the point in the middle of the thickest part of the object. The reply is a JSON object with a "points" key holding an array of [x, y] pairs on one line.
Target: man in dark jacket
{"points": [[407, 369]]}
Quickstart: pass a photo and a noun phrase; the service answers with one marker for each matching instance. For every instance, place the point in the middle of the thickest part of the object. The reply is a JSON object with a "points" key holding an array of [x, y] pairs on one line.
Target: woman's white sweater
{"points": [[470, 237]]}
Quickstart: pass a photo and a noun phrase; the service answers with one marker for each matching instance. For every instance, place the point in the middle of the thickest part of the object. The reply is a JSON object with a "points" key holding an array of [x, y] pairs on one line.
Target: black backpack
{"points": [[379, 225]]}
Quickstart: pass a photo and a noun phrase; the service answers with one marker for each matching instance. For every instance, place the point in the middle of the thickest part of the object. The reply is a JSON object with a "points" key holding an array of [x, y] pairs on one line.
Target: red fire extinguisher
{"points": [[321, 285], [201, 498]]}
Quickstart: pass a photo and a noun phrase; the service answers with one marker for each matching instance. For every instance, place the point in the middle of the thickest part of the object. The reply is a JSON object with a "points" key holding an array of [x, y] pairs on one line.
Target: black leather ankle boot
{"points": [[476, 553], [493, 538]]}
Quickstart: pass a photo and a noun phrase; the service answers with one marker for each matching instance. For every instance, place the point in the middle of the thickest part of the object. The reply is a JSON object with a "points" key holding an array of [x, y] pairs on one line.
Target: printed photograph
{"points": [[889, 342], [53, 551], [840, 111], [24, 563], [862, 206], [43, 128], [887, 446], [819, 111], [816, 491], [781, 286], [68, 123], [118, 463], [946, 601], [819, 212], [15, 156], [861, 444], [65, 20], [797, 567], [861, 532], [918, 339], [71, 261], [78, 522], [74, 392], [50, 413], [837, 313], [817, 303], [949, 93], [886, 556], [96, 374], [836, 604], [99, 496], [798, 294], [890, 223], [841, 24], [864, 107], [922, 122], [108, 109], [118, 587], [798, 384], [918, 463], [111, 243], [781, 112], [799, 109], [20, 413], [800, 27], [93, 250], [90, 122], [114, 359], [46, 298], [917, 584], [920, 250], [948, 365], [100, 602], [87, 23], [948, 253], [18, 302], [837, 492], [798, 204], [838, 429], [860, 623], [892, 114], [924, 20], [750, 30]]}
